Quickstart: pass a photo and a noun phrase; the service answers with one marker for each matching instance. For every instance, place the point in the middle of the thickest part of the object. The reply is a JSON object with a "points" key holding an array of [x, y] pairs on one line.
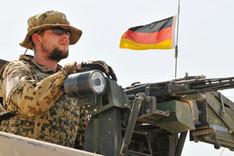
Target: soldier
{"points": [[32, 87]]}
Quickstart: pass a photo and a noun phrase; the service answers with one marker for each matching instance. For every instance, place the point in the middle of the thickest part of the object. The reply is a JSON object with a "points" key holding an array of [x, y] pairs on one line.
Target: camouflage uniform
{"points": [[43, 111]]}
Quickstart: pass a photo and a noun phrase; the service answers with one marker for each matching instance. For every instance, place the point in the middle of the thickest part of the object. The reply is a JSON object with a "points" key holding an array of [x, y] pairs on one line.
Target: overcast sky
{"points": [[205, 40]]}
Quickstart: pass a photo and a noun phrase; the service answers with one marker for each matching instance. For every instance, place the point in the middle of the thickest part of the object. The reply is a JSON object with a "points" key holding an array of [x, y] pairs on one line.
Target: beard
{"points": [[57, 55]]}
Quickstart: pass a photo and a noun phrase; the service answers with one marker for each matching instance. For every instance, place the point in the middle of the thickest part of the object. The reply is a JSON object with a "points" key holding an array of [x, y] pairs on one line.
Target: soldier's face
{"points": [[55, 46]]}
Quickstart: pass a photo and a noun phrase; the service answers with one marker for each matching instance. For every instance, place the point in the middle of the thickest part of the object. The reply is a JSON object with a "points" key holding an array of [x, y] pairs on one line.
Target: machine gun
{"points": [[145, 119], [212, 113], [180, 88]]}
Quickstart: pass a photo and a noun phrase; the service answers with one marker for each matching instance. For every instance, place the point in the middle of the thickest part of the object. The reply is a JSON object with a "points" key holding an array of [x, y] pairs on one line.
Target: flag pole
{"points": [[177, 38]]}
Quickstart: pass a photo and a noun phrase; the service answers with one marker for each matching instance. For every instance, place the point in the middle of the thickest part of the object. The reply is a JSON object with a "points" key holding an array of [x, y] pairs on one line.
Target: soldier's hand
{"points": [[102, 66]]}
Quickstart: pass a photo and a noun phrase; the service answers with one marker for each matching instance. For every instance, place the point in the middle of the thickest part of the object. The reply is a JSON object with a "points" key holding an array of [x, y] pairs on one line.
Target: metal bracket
{"points": [[222, 112], [132, 121]]}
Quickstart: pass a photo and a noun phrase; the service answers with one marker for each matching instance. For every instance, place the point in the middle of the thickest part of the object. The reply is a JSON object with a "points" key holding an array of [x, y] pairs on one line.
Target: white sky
{"points": [[205, 39]]}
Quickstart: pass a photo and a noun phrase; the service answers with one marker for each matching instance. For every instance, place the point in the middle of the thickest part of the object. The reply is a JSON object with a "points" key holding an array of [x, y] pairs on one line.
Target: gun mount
{"points": [[145, 119]]}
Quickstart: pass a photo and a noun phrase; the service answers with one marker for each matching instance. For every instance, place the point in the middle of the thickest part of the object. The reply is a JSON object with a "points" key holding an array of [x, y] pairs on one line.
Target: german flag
{"points": [[156, 35]]}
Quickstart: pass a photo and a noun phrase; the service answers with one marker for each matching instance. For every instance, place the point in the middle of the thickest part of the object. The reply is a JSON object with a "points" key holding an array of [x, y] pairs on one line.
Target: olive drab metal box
{"points": [[180, 118]]}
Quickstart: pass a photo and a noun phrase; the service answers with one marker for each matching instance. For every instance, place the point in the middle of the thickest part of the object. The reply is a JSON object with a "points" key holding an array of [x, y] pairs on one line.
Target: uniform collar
{"points": [[43, 68]]}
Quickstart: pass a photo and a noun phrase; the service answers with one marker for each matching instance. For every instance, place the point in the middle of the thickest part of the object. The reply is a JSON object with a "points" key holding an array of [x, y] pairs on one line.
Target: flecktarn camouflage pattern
{"points": [[43, 111]]}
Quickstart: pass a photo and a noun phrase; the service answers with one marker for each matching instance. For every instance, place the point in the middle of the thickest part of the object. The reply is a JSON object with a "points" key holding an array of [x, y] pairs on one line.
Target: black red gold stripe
{"points": [[156, 35]]}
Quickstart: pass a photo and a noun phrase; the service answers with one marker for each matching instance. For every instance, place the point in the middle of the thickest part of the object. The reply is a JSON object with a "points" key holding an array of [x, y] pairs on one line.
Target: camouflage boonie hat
{"points": [[49, 19]]}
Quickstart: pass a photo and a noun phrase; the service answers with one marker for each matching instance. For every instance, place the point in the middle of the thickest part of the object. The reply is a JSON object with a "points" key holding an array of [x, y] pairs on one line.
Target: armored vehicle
{"points": [[149, 119]]}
